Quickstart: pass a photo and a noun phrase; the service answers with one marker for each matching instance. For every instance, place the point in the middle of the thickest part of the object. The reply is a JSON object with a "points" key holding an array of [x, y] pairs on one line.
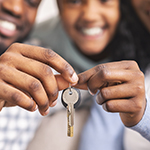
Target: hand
{"points": [[26, 78], [121, 86]]}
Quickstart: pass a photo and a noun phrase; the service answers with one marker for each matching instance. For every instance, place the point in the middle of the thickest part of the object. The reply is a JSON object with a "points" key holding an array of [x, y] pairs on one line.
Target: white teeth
{"points": [[8, 25], [92, 31]]}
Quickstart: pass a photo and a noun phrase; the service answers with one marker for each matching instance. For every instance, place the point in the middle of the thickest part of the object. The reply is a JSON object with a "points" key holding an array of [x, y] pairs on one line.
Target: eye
{"points": [[74, 1], [33, 3], [104, 1]]}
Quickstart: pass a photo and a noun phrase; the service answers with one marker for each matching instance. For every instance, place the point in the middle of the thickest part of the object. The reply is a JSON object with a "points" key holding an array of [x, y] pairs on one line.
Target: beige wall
{"points": [[47, 9]]}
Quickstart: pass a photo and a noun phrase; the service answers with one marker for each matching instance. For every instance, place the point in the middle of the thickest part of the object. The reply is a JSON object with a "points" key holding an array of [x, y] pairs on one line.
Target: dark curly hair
{"points": [[132, 41]]}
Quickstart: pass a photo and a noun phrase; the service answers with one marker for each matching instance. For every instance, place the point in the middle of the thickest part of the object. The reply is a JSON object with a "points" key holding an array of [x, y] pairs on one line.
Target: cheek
{"points": [[28, 24], [113, 20], [31, 18], [136, 3], [69, 19]]}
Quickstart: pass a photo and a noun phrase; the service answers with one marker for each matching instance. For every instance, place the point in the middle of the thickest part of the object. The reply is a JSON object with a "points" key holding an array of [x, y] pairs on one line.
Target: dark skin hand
{"points": [[27, 80], [121, 89]]}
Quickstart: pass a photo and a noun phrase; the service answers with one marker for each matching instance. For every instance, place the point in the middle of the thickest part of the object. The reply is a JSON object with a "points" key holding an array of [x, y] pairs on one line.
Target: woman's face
{"points": [[91, 24], [142, 8]]}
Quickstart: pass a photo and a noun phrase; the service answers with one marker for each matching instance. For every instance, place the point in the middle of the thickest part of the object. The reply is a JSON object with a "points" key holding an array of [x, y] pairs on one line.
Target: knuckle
{"points": [[100, 67], [49, 54], [54, 94], [140, 88], [140, 74], [130, 64], [30, 106], [46, 71], [44, 105], [133, 63], [67, 68], [105, 74], [2, 70], [14, 46], [7, 57], [35, 85], [138, 105], [105, 93], [82, 78], [16, 97]]}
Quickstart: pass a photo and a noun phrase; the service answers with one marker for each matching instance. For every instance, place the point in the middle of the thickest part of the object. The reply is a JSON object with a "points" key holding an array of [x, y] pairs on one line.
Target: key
{"points": [[70, 99]]}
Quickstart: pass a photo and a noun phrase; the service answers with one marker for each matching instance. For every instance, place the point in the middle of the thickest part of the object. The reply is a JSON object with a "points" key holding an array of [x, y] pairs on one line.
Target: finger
{"points": [[131, 111], [8, 104], [2, 103], [120, 65], [81, 86], [121, 91], [28, 84], [15, 96], [40, 71], [102, 79], [122, 106], [61, 82], [49, 57]]}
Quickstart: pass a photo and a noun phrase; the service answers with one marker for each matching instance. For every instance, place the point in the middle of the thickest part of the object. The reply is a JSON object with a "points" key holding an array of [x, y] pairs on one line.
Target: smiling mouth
{"points": [[94, 31], [7, 25], [7, 29]]}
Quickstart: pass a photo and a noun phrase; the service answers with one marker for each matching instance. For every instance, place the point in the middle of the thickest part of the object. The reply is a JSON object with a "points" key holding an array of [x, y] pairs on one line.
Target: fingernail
{"points": [[46, 112], [99, 98], [36, 107], [73, 84], [74, 77], [53, 103], [104, 107], [90, 92]]}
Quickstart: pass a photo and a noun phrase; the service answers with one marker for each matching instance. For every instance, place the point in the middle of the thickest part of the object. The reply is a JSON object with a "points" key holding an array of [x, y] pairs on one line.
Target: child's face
{"points": [[142, 7], [91, 24]]}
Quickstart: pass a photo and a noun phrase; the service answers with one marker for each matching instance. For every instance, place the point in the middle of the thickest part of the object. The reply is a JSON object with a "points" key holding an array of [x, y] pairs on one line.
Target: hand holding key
{"points": [[27, 80], [70, 99], [127, 97]]}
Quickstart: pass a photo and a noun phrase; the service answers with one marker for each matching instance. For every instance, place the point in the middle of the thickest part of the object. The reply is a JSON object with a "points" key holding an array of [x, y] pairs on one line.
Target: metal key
{"points": [[70, 99]]}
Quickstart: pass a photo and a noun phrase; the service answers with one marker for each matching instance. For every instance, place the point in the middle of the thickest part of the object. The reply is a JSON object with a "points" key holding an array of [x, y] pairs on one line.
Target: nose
{"points": [[91, 11], [14, 7]]}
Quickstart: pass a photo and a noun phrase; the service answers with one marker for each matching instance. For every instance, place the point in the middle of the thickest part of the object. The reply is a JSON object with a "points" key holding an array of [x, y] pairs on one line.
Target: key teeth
{"points": [[70, 131]]}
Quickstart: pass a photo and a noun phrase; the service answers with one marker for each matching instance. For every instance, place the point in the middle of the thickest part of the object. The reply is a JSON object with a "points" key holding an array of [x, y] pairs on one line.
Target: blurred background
{"points": [[46, 10]]}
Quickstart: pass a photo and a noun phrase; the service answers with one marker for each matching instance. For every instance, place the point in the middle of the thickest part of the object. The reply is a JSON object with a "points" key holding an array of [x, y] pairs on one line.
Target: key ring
{"points": [[70, 92]]}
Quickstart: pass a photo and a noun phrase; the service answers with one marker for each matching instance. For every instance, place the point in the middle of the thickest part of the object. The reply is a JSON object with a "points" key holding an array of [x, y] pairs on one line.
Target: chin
{"points": [[92, 51], [3, 48]]}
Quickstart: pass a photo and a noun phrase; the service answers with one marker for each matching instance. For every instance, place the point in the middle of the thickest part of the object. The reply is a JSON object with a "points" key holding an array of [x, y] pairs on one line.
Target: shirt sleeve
{"points": [[143, 127]]}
